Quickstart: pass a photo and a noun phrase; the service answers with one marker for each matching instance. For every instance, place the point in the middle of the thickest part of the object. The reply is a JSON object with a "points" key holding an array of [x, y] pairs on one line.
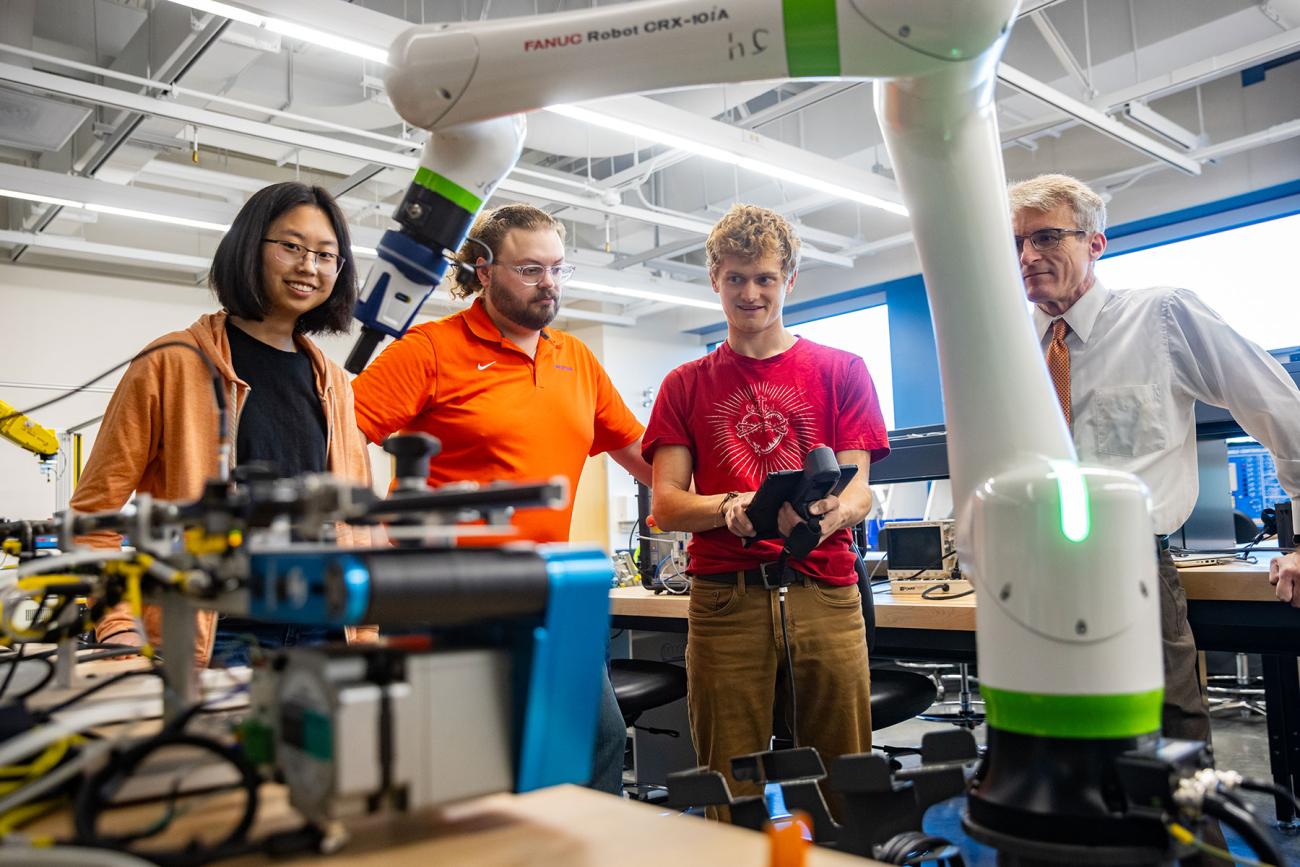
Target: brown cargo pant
{"points": [[1185, 714], [734, 651]]}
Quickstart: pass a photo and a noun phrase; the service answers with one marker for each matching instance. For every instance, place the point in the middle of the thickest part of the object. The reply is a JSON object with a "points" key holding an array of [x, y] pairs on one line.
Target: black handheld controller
{"points": [[821, 473], [820, 477]]}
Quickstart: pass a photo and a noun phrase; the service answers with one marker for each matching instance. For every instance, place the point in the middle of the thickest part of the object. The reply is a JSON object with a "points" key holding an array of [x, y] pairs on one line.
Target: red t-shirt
{"points": [[744, 417]]}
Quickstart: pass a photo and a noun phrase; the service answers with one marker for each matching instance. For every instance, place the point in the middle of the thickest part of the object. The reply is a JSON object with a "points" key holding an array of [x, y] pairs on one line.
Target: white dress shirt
{"points": [[1138, 362]]}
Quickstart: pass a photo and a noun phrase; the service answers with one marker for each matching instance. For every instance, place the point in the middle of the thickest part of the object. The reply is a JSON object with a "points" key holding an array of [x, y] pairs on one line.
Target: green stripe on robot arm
{"points": [[812, 39], [1073, 716], [448, 189]]}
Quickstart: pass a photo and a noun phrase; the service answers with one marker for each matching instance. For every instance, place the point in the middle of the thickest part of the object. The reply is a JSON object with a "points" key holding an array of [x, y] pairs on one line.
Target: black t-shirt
{"points": [[282, 421]]}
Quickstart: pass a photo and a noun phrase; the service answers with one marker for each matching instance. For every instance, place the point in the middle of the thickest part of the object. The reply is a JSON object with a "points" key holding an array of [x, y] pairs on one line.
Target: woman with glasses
{"points": [[281, 273]]}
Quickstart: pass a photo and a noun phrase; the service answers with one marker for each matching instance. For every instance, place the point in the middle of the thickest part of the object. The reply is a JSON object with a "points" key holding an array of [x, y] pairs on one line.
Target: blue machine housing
{"points": [[294, 586], [559, 662], [568, 672]]}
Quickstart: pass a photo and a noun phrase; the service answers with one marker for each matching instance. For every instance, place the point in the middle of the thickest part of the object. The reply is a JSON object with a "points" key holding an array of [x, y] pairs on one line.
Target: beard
{"points": [[525, 313]]}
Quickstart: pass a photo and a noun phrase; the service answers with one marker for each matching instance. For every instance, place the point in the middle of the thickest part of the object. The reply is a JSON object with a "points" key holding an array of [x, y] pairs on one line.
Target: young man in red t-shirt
{"points": [[759, 403]]}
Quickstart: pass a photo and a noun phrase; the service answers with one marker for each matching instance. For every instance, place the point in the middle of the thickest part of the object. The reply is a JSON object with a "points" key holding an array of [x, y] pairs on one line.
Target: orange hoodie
{"points": [[159, 437]]}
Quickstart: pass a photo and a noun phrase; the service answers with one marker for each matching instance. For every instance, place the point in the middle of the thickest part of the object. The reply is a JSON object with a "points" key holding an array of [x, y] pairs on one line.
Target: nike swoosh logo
{"points": [[486, 366]]}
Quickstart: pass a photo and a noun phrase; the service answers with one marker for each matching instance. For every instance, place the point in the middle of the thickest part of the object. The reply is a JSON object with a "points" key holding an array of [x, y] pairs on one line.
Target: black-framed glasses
{"points": [[531, 275], [291, 254], [1045, 239]]}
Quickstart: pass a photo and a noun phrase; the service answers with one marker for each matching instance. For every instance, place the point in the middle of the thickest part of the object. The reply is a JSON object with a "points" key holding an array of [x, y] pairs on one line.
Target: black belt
{"points": [[770, 576]]}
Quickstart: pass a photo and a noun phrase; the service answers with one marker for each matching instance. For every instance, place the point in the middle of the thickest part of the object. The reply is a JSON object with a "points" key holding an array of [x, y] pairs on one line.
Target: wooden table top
{"points": [[562, 826], [1228, 582]]}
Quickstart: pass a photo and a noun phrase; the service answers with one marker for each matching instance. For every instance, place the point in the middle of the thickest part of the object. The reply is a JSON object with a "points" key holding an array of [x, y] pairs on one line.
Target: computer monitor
{"points": [[1254, 478]]}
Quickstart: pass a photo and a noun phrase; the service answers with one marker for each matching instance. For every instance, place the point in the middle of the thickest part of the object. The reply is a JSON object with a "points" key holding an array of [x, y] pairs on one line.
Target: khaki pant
{"points": [[734, 651], [1184, 714]]}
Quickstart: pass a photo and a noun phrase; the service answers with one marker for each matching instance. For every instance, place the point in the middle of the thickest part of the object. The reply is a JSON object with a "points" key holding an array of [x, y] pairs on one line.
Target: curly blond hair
{"points": [[488, 233], [1046, 192], [749, 233]]}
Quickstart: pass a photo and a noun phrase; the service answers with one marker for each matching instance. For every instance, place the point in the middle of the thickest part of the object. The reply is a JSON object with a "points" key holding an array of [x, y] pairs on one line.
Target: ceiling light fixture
{"points": [[645, 295], [290, 29], [157, 218], [120, 212], [681, 142], [50, 200], [357, 249]]}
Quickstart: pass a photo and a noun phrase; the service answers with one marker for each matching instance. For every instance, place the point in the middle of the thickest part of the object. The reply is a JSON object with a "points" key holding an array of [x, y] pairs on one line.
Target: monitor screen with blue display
{"points": [[1254, 478]]}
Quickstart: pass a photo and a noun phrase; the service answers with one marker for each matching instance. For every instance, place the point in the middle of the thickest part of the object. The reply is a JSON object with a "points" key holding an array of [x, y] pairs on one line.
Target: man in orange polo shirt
{"points": [[509, 398]]}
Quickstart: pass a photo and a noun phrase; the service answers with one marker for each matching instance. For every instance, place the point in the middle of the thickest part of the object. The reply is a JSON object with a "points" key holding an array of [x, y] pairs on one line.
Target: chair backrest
{"points": [[868, 598], [1243, 527]]}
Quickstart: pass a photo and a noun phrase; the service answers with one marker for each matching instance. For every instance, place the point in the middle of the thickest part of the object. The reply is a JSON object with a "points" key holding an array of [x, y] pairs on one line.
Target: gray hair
{"points": [[1046, 192]]}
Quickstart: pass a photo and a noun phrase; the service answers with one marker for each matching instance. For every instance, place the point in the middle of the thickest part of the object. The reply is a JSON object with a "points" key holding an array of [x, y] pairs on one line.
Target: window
{"points": [[1247, 275], [864, 333]]}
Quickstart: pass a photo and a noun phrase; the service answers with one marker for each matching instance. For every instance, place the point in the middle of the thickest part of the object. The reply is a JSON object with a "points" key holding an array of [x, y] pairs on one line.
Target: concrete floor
{"points": [[1241, 744]]}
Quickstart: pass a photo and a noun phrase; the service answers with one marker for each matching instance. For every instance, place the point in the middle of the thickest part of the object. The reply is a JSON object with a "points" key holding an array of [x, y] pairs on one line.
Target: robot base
{"points": [[1041, 800]]}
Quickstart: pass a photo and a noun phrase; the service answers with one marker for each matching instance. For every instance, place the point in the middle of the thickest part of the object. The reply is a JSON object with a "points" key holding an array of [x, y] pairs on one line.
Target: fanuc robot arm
{"points": [[1068, 634]]}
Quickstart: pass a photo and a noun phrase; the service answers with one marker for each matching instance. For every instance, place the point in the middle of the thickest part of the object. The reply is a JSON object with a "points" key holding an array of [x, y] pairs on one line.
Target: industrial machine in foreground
{"points": [[488, 679]]}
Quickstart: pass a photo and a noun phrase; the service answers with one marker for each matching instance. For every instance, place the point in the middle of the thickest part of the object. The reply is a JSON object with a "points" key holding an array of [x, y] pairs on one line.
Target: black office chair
{"points": [[968, 713], [1243, 528], [641, 685], [898, 695]]}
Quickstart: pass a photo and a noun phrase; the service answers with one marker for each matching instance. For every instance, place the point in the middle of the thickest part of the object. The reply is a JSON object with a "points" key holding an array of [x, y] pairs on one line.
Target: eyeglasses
{"points": [[1045, 239], [291, 254], [531, 275]]}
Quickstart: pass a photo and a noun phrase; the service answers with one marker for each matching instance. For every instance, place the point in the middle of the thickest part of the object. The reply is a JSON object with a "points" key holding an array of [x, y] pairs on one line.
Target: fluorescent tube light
{"points": [[49, 200], [120, 212], [690, 145], [288, 28], [157, 218], [645, 295]]}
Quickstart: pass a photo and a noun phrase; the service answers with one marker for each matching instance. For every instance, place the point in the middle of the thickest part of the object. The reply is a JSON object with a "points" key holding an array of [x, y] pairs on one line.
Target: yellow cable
{"points": [[53, 754], [20, 816], [1182, 835]]}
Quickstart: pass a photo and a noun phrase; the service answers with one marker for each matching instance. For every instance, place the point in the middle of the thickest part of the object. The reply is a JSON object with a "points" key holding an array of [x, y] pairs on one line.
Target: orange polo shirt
{"points": [[500, 415]]}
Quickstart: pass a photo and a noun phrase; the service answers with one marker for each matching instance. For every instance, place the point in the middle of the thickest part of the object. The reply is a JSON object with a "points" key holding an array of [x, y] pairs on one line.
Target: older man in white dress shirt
{"points": [[1128, 368]]}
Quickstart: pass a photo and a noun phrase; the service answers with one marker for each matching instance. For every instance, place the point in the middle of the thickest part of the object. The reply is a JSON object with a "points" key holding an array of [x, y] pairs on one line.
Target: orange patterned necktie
{"points": [[1058, 364]]}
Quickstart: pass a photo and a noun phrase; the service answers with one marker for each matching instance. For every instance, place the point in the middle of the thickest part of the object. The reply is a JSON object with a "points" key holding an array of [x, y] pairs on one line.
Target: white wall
{"points": [[637, 360], [62, 328]]}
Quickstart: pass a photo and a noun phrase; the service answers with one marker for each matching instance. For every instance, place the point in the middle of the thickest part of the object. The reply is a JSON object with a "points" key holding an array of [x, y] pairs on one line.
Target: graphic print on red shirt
{"points": [[757, 429]]}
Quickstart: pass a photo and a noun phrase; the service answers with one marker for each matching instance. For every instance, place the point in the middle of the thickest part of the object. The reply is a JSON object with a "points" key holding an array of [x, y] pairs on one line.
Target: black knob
{"points": [[412, 453], [256, 471]]}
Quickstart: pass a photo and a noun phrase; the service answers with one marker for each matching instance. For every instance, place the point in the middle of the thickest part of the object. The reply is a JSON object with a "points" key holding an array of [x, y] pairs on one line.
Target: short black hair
{"points": [[236, 275]]}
